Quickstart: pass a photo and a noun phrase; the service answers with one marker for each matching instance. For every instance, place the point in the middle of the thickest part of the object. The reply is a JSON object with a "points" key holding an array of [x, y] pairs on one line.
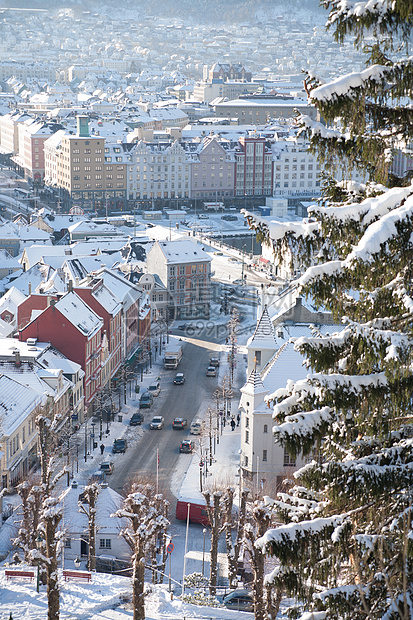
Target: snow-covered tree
{"points": [[215, 511], [234, 547], [345, 549], [87, 505], [145, 512]]}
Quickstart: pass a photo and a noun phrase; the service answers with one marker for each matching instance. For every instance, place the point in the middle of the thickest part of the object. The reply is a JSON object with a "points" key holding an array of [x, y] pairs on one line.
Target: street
{"points": [[174, 401]]}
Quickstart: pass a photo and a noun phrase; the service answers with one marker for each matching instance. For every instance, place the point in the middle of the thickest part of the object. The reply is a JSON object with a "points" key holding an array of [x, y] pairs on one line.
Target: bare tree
{"points": [[145, 512], [215, 516], [234, 549], [51, 513], [90, 495], [260, 521]]}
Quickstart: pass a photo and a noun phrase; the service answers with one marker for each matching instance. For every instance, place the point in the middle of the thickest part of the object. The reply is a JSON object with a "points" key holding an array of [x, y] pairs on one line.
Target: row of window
{"points": [[288, 460]]}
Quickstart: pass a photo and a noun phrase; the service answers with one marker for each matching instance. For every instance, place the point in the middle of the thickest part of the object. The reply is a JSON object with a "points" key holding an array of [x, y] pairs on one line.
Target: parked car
{"points": [[179, 423], [179, 378], [186, 446], [107, 467], [196, 427], [211, 372], [136, 419], [157, 423], [119, 446], [146, 401], [240, 600], [154, 388], [214, 361]]}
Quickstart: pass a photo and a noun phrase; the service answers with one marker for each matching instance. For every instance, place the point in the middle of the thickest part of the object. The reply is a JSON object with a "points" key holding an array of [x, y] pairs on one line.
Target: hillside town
{"points": [[205, 339]]}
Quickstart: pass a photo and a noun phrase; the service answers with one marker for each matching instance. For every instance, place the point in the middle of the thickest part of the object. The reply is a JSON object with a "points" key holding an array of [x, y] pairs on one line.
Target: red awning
{"points": [[263, 260]]}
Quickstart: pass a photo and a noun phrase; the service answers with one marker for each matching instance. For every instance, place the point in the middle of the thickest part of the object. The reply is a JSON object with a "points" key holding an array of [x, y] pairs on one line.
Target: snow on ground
{"points": [[105, 598]]}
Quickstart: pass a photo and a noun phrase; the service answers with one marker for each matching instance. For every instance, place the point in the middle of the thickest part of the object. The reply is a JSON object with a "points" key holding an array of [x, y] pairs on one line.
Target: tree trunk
{"points": [[233, 556], [214, 515], [51, 521], [138, 582]]}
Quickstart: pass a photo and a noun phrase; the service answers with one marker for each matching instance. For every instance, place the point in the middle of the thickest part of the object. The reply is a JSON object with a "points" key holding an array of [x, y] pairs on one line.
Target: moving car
{"points": [[214, 361], [154, 388], [107, 467], [146, 401], [211, 372], [157, 423], [240, 600], [186, 446], [179, 378], [196, 427], [136, 419], [119, 446], [179, 424]]}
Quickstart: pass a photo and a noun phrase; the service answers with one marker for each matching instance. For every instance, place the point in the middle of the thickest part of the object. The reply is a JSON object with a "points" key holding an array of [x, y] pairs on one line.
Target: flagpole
{"points": [[157, 470]]}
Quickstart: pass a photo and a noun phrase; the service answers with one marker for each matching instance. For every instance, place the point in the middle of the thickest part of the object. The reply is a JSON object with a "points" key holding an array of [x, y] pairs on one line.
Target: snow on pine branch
{"points": [[346, 85], [360, 8], [379, 234], [294, 531], [303, 423], [368, 210]]}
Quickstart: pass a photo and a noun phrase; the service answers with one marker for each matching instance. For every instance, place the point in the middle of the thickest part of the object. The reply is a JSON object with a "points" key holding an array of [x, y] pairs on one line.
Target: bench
{"points": [[76, 574], [24, 574]]}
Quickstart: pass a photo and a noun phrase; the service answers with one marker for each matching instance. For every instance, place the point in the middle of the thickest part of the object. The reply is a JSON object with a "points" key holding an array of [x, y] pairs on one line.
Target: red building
{"points": [[98, 297], [74, 329]]}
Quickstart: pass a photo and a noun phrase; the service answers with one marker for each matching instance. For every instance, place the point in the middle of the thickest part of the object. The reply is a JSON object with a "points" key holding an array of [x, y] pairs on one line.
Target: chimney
{"points": [[30, 288], [17, 360], [48, 301], [70, 286]]}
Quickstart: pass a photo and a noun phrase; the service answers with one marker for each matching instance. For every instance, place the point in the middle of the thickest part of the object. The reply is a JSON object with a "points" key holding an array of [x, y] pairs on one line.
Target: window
{"points": [[105, 543], [247, 422], [264, 455], [246, 461], [288, 460], [68, 543], [247, 436], [265, 428], [258, 357]]}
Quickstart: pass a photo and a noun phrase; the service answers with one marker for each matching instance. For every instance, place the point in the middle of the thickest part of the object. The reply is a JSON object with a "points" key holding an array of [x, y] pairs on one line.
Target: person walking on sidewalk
{"points": [[102, 448], [238, 419], [232, 424]]}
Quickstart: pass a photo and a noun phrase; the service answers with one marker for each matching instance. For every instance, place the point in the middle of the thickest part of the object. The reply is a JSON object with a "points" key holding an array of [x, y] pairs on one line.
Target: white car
{"points": [[157, 423]]}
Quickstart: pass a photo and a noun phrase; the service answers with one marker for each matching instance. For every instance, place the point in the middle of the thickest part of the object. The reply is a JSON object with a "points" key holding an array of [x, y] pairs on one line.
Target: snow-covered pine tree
{"points": [[345, 550]]}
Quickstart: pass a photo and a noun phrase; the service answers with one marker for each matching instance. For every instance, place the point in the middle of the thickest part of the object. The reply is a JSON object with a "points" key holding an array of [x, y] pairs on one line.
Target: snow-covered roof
{"points": [[17, 402], [183, 251], [79, 314], [108, 502], [263, 336]]}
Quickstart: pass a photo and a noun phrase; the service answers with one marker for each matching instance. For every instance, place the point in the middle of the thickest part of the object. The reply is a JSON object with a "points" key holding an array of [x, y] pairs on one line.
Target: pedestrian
{"points": [[102, 448], [238, 419], [232, 424]]}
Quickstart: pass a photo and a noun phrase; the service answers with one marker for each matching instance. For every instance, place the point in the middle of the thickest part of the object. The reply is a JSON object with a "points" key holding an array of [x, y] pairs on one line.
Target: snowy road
{"points": [[174, 401]]}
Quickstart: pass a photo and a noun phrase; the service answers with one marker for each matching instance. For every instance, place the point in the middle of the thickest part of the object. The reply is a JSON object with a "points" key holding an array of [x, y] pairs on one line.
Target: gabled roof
{"points": [[79, 314], [182, 251], [17, 402]]}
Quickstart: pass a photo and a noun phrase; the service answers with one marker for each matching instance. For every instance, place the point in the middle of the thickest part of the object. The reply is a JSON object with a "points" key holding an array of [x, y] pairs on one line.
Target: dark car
{"points": [[119, 446], [240, 600], [179, 378], [186, 446], [146, 401], [136, 419], [179, 424]]}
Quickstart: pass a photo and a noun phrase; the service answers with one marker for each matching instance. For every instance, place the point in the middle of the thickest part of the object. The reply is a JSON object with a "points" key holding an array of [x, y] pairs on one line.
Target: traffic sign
{"points": [[170, 547]]}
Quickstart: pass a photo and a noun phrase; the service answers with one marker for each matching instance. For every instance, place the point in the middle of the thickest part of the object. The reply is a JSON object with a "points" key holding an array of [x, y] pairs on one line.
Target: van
{"points": [[154, 388], [196, 427], [197, 512]]}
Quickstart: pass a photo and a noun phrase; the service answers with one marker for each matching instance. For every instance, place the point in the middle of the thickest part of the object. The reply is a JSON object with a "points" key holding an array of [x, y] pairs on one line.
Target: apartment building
{"points": [[253, 167], [9, 131], [185, 271], [212, 169], [260, 109], [296, 170], [158, 171], [91, 172]]}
